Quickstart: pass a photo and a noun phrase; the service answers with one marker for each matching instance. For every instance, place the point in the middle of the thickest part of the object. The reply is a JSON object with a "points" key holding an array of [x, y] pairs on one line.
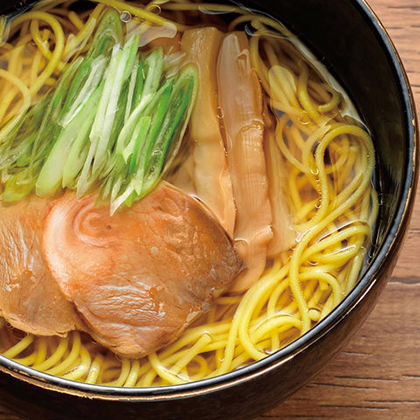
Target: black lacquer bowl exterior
{"points": [[347, 36]]}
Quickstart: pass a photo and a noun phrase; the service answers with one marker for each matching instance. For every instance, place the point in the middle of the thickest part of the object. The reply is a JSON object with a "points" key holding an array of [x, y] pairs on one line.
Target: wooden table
{"points": [[377, 376]]}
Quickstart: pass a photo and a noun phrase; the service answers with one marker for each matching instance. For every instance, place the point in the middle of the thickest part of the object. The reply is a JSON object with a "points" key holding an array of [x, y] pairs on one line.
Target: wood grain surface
{"points": [[377, 375]]}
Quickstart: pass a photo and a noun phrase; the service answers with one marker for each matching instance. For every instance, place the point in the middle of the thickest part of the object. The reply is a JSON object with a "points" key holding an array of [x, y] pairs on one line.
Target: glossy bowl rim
{"points": [[389, 247]]}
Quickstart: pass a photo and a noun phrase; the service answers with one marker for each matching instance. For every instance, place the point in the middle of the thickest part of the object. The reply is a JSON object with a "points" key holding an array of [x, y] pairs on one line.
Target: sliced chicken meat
{"points": [[29, 298], [139, 277]]}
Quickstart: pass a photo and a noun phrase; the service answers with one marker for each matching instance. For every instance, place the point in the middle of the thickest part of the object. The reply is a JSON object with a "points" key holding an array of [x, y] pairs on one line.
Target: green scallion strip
{"points": [[113, 123], [51, 176]]}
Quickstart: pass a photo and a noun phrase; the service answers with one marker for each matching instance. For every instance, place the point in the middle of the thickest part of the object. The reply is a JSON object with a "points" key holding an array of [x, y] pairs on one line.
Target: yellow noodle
{"points": [[41, 352], [110, 370], [124, 374], [19, 347], [277, 322], [133, 375], [15, 60], [25, 92], [55, 357], [189, 355], [77, 372], [65, 365], [202, 369], [94, 370], [38, 61], [59, 45], [41, 43], [77, 42], [165, 373], [77, 22]]}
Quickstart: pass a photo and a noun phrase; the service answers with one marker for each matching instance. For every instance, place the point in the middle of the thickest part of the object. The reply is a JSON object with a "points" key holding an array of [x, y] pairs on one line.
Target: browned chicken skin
{"points": [[139, 277]]}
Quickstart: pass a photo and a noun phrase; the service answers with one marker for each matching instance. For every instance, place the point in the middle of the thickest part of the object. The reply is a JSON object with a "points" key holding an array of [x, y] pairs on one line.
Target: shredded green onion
{"points": [[114, 122]]}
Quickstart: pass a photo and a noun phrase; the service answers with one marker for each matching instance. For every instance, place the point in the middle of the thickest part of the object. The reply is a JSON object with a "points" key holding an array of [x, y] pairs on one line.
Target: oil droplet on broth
{"points": [[220, 114], [250, 30], [303, 118], [125, 16], [315, 171], [154, 8]]}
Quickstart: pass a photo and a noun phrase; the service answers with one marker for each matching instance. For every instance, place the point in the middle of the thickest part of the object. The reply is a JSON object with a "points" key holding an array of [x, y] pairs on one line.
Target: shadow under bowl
{"points": [[350, 40]]}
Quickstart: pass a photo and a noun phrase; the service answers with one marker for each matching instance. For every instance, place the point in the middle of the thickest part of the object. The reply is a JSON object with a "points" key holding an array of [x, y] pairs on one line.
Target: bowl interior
{"points": [[353, 45]]}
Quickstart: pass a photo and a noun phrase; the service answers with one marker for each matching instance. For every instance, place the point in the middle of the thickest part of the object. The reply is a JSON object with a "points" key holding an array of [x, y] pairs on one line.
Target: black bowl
{"points": [[350, 40]]}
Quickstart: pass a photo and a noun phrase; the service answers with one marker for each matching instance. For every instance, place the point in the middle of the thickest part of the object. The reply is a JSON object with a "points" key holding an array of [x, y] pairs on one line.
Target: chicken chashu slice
{"points": [[30, 298], [141, 276]]}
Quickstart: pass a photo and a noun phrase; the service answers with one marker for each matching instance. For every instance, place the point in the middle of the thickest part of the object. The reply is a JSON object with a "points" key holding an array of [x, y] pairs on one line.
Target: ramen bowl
{"points": [[348, 38]]}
